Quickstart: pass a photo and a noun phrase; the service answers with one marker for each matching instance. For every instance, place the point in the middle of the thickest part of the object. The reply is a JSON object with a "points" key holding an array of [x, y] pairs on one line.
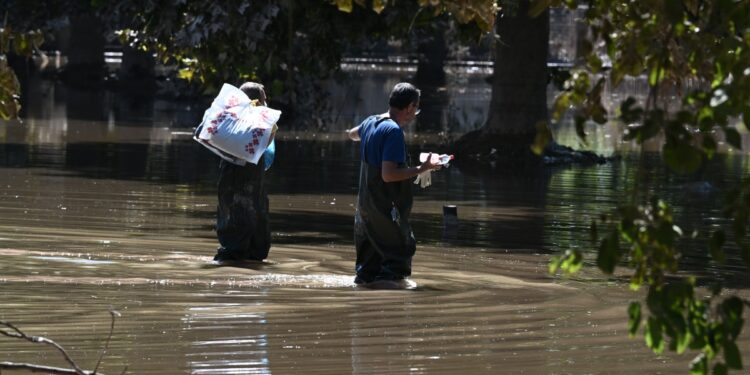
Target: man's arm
{"points": [[353, 133], [390, 172]]}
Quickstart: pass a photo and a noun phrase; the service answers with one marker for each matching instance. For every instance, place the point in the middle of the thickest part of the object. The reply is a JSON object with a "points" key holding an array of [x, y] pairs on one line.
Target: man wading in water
{"points": [[384, 240]]}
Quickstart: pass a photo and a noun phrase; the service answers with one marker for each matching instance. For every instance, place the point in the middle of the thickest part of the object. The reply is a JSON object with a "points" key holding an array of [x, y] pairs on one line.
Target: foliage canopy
{"points": [[701, 51]]}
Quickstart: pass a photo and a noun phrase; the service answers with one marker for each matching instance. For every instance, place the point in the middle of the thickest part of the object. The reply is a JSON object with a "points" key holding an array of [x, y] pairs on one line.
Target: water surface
{"points": [[113, 208]]}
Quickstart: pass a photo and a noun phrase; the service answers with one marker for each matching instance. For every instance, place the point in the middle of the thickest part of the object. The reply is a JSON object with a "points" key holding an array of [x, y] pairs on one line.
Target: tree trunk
{"points": [[519, 88], [519, 82], [84, 49], [430, 77]]}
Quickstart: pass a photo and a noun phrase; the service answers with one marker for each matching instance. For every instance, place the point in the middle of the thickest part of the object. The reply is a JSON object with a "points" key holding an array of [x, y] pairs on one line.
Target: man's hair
{"points": [[403, 94], [253, 90]]}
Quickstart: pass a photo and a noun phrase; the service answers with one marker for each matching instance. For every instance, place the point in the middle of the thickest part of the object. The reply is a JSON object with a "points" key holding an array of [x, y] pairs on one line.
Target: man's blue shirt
{"points": [[381, 141]]}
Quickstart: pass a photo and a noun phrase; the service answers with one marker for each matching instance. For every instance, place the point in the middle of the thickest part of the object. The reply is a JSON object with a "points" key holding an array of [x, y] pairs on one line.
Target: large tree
{"points": [[518, 104]]}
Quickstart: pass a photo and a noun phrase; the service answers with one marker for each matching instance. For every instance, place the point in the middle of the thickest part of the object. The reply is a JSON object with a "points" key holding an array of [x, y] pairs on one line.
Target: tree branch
{"points": [[109, 338], [40, 340], [43, 369], [8, 329]]}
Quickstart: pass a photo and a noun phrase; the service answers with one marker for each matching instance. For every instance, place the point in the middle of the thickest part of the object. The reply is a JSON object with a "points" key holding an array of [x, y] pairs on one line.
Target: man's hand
{"points": [[428, 165], [390, 172], [353, 133]]}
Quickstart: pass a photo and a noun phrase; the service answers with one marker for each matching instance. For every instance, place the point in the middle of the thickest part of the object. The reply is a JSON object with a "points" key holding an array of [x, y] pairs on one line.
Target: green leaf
{"points": [[682, 157], [609, 254], [345, 5], [542, 138], [732, 309], [9, 105], [22, 45], [732, 355], [655, 75], [378, 6], [733, 137], [699, 365], [562, 103], [653, 335], [572, 262], [554, 264], [634, 318], [186, 74], [719, 75], [682, 342]]}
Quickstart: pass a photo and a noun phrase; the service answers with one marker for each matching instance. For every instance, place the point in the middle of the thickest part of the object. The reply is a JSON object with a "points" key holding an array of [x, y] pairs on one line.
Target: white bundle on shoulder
{"points": [[235, 128]]}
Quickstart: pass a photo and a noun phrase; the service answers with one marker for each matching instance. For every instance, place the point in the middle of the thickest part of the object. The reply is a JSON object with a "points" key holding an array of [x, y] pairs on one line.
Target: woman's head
{"points": [[254, 91]]}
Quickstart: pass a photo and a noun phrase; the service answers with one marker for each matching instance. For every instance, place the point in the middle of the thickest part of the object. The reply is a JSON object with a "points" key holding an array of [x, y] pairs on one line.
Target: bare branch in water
{"points": [[114, 314], [42, 369], [12, 331], [17, 333]]}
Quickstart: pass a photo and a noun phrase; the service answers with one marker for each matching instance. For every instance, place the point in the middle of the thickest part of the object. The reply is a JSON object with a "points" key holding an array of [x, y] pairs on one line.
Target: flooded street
{"points": [[117, 211]]}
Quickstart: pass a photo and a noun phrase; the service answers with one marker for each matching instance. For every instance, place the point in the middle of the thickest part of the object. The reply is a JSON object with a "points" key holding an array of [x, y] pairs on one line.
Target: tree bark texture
{"points": [[519, 82], [519, 93]]}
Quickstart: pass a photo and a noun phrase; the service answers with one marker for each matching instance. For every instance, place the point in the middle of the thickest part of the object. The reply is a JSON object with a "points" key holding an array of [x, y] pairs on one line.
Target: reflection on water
{"points": [[115, 209]]}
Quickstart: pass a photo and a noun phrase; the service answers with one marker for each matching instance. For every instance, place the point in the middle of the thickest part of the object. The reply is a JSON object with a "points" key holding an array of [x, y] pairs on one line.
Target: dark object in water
{"points": [[556, 154], [450, 221]]}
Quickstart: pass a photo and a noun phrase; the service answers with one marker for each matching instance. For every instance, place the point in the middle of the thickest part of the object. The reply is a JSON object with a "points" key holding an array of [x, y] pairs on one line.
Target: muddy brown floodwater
{"points": [[94, 218]]}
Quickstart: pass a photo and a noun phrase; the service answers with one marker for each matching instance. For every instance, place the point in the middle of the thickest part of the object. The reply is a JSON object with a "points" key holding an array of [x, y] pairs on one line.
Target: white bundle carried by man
{"points": [[424, 179], [235, 128]]}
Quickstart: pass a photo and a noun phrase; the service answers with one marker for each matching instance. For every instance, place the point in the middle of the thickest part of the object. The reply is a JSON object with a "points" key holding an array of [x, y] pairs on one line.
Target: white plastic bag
{"points": [[424, 179], [234, 128], [443, 159]]}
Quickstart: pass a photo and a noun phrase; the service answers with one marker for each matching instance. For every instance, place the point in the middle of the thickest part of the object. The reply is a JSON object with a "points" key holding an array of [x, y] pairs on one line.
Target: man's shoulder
{"points": [[379, 124], [385, 124]]}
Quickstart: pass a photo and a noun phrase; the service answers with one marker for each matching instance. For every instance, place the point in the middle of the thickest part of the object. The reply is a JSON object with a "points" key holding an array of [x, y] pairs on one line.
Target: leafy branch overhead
{"points": [[696, 50], [694, 57], [23, 44], [480, 12]]}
